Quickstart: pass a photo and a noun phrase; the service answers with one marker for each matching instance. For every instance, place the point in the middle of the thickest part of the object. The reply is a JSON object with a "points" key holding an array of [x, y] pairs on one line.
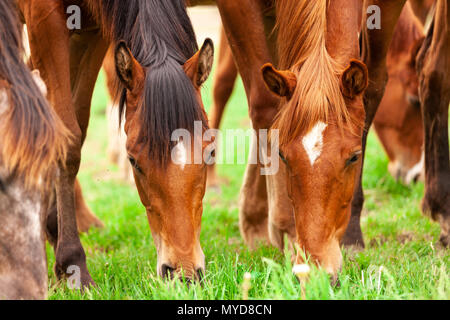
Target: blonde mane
{"points": [[302, 28]]}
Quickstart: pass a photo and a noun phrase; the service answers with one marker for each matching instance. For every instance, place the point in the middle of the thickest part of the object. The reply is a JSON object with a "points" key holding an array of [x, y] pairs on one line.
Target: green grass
{"points": [[122, 257]]}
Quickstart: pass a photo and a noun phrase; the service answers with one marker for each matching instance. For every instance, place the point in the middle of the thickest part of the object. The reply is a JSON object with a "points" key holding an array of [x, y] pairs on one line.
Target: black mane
{"points": [[160, 35]]}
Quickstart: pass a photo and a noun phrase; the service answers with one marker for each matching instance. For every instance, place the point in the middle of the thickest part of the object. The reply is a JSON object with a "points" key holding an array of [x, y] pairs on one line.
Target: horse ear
{"points": [[127, 68], [355, 79], [282, 83], [198, 68]]}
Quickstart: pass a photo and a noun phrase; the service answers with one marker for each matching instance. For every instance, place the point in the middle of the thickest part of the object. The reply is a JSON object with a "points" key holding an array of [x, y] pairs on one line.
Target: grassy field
{"points": [[401, 242]]}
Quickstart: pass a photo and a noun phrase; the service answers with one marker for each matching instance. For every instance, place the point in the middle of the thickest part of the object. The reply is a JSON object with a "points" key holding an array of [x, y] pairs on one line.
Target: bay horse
{"points": [[160, 71], [33, 143], [399, 129], [433, 67], [315, 95]]}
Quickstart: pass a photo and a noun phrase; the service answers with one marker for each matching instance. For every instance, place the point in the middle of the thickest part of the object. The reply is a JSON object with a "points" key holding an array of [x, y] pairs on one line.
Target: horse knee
{"points": [[223, 87], [262, 109], [73, 157]]}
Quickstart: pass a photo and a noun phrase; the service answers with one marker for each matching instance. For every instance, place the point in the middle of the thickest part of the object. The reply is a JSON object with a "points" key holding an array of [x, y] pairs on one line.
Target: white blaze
{"points": [[313, 142], [179, 154]]}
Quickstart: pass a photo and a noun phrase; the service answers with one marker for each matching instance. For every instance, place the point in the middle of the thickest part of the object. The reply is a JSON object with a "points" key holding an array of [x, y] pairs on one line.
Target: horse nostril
{"points": [[188, 281], [167, 271]]}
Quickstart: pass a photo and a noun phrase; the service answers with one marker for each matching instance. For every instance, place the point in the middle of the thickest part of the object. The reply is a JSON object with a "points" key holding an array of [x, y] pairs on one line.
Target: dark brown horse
{"points": [[33, 143], [433, 67], [160, 72]]}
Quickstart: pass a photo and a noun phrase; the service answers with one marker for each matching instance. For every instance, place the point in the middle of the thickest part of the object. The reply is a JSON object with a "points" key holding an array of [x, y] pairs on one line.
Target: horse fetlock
{"points": [[70, 264]]}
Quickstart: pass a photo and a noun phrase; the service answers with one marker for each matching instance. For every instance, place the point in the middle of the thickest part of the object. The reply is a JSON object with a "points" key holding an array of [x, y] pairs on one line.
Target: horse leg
{"points": [[251, 52], [224, 80], [375, 46], [49, 42], [281, 214], [434, 68], [85, 217]]}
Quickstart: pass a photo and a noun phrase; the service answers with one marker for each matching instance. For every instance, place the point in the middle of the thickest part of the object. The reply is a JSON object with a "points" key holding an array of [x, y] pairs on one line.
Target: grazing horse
{"points": [[399, 129], [160, 73], [33, 143], [398, 122], [316, 100], [433, 67]]}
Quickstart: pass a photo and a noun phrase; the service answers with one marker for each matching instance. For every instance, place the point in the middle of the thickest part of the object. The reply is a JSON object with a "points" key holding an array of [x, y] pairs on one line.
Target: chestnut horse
{"points": [[316, 100], [33, 142], [399, 129], [270, 218], [160, 76], [433, 68]]}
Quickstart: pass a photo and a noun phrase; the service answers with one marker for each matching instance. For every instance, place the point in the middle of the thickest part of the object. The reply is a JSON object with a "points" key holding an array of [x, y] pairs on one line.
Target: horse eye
{"points": [[2, 186], [354, 158], [211, 156], [134, 164], [283, 158]]}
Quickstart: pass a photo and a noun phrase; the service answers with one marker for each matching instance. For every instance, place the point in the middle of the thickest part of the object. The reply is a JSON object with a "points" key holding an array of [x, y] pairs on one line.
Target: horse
{"points": [[160, 71], [33, 143], [399, 129], [433, 68], [315, 96]]}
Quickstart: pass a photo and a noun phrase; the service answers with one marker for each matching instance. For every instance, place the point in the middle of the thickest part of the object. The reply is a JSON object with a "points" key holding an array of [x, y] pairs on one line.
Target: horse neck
{"points": [[343, 24], [407, 31]]}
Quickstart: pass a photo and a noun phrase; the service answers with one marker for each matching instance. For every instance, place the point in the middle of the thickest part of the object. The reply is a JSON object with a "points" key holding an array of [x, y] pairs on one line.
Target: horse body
{"points": [[33, 143]]}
